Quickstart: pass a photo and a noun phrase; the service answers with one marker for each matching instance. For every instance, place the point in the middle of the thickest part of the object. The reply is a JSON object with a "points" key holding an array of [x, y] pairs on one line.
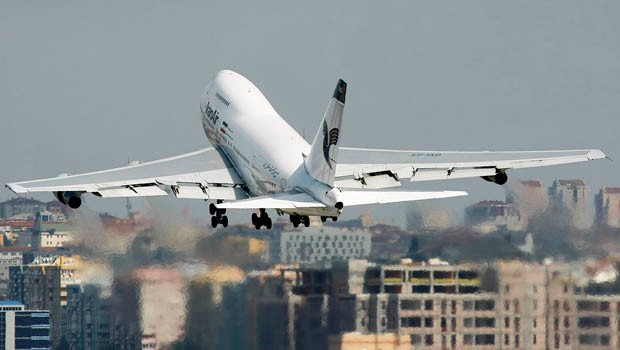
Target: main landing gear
{"points": [[261, 219], [324, 218], [217, 215], [300, 219]]}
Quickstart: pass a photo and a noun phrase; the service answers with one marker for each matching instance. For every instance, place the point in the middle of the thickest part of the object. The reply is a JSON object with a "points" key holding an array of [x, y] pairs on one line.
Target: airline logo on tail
{"points": [[329, 138]]}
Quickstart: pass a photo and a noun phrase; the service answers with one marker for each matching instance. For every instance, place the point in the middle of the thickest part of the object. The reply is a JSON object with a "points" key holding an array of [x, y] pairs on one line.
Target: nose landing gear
{"points": [[217, 215], [261, 219]]}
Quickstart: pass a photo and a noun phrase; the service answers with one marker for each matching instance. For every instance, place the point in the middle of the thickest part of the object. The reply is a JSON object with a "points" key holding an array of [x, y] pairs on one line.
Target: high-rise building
{"points": [[607, 204], [22, 329], [41, 285], [38, 288], [87, 323], [489, 216], [571, 196], [8, 257], [318, 244]]}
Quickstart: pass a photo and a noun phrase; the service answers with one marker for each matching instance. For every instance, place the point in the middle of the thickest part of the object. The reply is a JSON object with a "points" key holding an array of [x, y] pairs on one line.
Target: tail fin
{"points": [[321, 161]]}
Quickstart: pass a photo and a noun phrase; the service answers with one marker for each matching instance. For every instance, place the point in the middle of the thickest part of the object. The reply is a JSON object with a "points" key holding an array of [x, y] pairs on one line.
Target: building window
{"points": [[468, 339], [517, 324], [566, 339], [428, 305], [566, 306], [506, 322], [506, 339], [534, 339], [506, 305], [516, 305], [507, 289], [517, 341], [428, 339], [428, 322]]}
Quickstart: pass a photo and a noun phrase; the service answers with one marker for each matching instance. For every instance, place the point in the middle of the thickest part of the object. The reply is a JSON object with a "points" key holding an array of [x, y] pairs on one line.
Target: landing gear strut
{"points": [[261, 219], [300, 219], [217, 215]]}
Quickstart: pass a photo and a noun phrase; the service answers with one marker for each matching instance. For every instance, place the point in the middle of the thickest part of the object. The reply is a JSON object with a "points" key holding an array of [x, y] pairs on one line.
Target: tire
{"points": [[268, 223], [334, 218], [212, 209], [254, 219], [214, 222], [296, 224], [257, 226], [307, 221], [323, 218], [225, 221]]}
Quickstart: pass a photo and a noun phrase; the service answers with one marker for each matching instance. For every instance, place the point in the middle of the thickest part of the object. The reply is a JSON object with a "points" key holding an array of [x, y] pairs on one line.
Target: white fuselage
{"points": [[266, 151]]}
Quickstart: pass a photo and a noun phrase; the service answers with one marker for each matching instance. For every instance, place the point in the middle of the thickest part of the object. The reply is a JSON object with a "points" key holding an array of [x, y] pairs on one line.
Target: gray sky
{"points": [[85, 85]]}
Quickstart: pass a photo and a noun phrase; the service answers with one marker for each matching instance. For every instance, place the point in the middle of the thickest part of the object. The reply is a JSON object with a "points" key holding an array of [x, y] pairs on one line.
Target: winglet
{"points": [[596, 154], [17, 189]]}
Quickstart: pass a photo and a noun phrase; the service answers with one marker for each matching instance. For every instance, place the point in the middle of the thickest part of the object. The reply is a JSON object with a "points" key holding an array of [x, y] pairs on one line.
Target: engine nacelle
{"points": [[70, 198], [499, 178]]}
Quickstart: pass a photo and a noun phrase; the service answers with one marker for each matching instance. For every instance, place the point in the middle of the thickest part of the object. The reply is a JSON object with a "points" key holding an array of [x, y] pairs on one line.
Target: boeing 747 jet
{"points": [[259, 162]]}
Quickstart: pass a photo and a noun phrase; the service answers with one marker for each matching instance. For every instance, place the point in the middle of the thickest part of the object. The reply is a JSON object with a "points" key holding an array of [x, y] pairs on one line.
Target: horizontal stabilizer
{"points": [[351, 198], [285, 200], [295, 199]]}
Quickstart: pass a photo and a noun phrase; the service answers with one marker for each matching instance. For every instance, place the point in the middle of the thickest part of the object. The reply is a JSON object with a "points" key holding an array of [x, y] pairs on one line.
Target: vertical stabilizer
{"points": [[321, 161]]}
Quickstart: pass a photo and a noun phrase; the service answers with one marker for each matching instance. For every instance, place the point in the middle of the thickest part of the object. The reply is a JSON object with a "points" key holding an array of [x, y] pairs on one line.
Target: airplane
{"points": [[259, 162]]}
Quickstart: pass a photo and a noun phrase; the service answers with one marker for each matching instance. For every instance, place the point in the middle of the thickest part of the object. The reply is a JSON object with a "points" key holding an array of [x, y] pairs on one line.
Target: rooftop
{"points": [[531, 183], [611, 190], [571, 183]]}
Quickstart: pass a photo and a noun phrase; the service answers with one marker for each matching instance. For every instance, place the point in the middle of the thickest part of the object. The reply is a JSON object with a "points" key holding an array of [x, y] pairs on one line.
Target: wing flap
{"points": [[285, 200], [132, 191]]}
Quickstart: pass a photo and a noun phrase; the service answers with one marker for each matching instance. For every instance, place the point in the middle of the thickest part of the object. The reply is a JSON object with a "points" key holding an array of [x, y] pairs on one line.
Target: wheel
{"points": [[267, 223], [257, 226], [323, 218], [212, 209], [334, 218], [214, 221], [295, 219], [225, 221], [254, 219], [306, 221], [223, 211]]}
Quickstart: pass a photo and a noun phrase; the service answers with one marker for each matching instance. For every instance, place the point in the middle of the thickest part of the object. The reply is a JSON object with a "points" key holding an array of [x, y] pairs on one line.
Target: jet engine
{"points": [[499, 178], [72, 199]]}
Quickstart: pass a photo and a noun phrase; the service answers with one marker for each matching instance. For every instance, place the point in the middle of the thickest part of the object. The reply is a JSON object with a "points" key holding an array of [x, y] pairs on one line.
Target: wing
{"points": [[377, 168], [295, 199], [202, 174]]}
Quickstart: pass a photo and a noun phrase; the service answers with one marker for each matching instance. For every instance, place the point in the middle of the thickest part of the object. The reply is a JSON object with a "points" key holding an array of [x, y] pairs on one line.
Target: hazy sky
{"points": [[85, 85]]}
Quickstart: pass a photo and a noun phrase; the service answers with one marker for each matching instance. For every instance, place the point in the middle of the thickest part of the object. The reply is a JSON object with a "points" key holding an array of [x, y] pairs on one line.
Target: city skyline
{"points": [[553, 84]]}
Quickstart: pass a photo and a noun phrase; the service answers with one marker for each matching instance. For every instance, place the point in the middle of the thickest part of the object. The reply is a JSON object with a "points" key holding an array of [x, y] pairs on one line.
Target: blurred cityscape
{"points": [[536, 271]]}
